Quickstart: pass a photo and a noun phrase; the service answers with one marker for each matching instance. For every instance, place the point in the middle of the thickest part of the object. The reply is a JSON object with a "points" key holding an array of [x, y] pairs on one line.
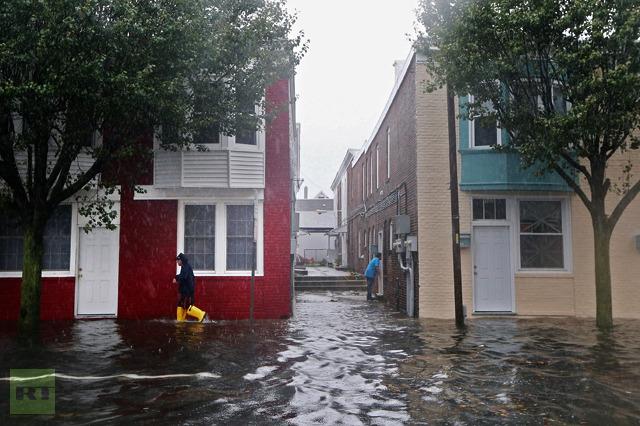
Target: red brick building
{"points": [[210, 205], [382, 186]]}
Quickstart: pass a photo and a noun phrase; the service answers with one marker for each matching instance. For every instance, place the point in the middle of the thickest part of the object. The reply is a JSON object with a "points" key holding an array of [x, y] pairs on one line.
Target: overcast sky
{"points": [[346, 77]]}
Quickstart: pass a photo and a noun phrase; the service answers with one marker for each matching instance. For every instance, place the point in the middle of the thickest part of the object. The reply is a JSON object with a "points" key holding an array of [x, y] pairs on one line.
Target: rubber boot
{"points": [[196, 313], [181, 314]]}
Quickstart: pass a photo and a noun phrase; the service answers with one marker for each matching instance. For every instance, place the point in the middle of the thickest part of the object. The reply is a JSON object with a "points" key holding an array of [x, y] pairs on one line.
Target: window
{"points": [[489, 209], [377, 167], [359, 244], [388, 152], [246, 131], [541, 235], [208, 134], [391, 236], [364, 179], [240, 238], [200, 236], [371, 173], [484, 129], [57, 242]]}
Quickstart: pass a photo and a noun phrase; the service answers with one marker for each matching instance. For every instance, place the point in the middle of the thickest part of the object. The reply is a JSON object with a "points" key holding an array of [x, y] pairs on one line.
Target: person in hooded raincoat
{"points": [[186, 281]]}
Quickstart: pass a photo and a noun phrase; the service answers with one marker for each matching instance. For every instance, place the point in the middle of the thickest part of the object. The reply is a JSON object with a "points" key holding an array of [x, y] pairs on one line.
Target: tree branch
{"points": [[575, 186], [575, 164], [623, 204]]}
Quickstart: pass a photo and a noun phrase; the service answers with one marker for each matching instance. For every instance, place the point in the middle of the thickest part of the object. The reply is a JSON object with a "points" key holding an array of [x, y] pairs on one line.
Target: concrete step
{"points": [[331, 285], [339, 288], [325, 278]]}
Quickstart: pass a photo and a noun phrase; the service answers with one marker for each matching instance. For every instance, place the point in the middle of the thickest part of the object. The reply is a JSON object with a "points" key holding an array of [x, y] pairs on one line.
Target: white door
{"points": [[492, 269], [97, 283]]}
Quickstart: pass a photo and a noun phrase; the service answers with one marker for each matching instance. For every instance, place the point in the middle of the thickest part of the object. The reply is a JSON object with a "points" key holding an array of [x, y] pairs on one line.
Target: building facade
{"points": [[527, 239], [211, 205], [382, 184], [316, 220], [340, 188]]}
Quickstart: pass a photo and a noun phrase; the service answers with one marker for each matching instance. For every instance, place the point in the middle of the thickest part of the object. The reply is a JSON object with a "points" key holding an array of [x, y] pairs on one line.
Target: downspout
{"points": [[408, 268]]}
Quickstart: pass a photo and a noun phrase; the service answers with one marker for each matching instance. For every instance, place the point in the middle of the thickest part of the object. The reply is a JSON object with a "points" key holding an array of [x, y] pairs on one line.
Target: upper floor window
{"points": [[388, 152], [377, 167], [209, 134], [364, 178], [246, 130], [484, 129]]}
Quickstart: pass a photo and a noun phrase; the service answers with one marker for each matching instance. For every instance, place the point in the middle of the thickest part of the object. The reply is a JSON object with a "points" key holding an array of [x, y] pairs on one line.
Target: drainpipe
{"points": [[408, 269]]}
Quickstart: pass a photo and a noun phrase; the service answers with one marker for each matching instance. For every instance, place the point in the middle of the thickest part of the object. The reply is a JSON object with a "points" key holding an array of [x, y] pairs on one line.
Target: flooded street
{"points": [[341, 360]]}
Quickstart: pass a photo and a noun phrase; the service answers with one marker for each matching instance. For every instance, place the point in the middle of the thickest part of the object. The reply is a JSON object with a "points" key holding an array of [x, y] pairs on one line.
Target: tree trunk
{"points": [[602, 239], [31, 279]]}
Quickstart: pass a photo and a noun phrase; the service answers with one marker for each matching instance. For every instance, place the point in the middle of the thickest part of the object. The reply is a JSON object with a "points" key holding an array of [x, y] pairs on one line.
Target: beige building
{"points": [[527, 240]]}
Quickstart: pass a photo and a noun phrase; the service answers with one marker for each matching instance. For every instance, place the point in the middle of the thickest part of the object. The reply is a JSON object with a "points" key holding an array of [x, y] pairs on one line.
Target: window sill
{"points": [[544, 273], [238, 274], [52, 274]]}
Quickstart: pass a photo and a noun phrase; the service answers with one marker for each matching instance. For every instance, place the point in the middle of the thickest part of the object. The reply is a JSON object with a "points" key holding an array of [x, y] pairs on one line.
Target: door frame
{"points": [[512, 272], [77, 278]]}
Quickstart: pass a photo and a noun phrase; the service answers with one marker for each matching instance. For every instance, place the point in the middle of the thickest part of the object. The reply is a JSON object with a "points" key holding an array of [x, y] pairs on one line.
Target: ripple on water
{"points": [[339, 361]]}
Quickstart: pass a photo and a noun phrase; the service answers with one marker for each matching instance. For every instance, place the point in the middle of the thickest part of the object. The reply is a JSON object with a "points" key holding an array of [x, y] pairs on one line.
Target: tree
{"points": [[70, 69], [563, 79]]}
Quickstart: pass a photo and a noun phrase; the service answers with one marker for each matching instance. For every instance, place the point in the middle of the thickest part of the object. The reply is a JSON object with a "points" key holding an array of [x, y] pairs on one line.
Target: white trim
{"points": [[221, 234], [388, 152], [77, 280], [192, 193], [377, 166], [565, 207], [493, 224], [392, 96], [472, 134]]}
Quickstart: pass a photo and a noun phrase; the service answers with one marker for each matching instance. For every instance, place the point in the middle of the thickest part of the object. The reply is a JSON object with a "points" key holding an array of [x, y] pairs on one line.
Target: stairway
{"points": [[318, 283]]}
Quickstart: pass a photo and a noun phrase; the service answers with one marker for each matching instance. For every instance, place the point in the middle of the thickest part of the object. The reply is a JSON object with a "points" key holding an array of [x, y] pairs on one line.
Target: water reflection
{"points": [[341, 360]]}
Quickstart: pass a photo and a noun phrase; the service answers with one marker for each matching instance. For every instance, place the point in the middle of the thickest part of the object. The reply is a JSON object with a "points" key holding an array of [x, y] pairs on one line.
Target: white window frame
{"points": [[377, 166], [472, 133], [221, 235], [388, 152], [364, 179], [565, 207], [370, 173], [73, 252]]}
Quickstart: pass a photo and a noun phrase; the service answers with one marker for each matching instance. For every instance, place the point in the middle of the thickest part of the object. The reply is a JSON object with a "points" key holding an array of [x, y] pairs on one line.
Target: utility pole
{"points": [[455, 209]]}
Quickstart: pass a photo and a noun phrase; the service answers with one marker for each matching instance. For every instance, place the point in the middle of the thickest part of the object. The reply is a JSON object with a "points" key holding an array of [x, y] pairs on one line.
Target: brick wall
{"points": [[401, 121]]}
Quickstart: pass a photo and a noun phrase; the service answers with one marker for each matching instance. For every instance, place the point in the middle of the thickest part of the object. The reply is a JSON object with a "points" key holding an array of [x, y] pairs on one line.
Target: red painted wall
{"points": [[56, 301], [148, 234], [148, 237]]}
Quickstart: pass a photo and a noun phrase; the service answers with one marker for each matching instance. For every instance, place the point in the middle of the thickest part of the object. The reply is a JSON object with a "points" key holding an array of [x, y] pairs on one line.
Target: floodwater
{"points": [[341, 360]]}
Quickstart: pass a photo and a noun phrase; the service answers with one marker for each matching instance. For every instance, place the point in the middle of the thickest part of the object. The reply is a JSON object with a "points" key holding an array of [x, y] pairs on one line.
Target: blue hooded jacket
{"points": [[186, 279]]}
